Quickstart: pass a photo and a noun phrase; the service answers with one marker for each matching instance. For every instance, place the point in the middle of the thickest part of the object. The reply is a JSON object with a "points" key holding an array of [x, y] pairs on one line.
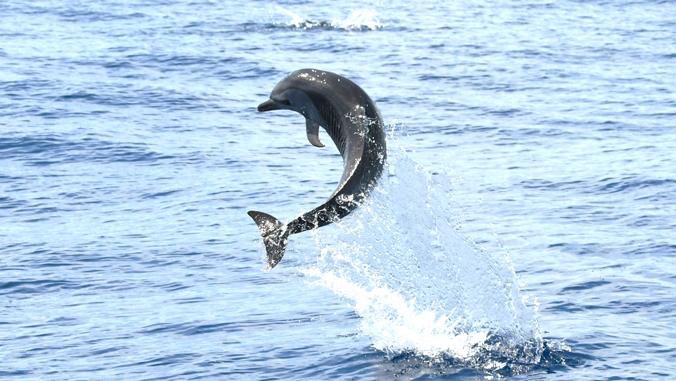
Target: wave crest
{"points": [[357, 20]]}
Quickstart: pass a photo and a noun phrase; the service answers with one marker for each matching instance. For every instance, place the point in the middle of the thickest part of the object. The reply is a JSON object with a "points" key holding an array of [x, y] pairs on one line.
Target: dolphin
{"points": [[354, 124]]}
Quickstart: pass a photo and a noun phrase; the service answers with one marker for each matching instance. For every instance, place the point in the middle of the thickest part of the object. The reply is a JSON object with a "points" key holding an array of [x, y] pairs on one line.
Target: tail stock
{"points": [[274, 233]]}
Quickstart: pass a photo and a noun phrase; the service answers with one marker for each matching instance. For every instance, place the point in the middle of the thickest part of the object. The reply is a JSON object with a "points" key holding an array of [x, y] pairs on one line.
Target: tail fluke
{"points": [[274, 233]]}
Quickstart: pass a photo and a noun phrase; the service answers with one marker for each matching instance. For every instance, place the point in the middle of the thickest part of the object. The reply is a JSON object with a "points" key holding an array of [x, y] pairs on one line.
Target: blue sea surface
{"points": [[525, 228]]}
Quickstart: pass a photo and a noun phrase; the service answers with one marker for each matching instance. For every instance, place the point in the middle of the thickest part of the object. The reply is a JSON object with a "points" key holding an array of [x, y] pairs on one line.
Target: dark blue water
{"points": [[526, 227]]}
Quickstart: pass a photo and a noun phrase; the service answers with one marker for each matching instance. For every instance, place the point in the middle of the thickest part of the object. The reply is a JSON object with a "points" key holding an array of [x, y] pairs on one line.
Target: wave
{"points": [[357, 20], [418, 285]]}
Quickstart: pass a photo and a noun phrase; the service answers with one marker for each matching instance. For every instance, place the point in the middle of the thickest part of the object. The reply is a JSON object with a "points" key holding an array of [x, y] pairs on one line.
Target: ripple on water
{"points": [[42, 150], [130, 150]]}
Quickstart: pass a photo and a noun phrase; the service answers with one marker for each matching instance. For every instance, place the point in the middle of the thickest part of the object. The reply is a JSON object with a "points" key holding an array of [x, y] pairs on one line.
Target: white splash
{"points": [[359, 19], [295, 19], [416, 283]]}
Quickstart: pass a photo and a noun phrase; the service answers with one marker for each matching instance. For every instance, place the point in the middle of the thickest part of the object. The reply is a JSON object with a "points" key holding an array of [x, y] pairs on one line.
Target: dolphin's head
{"points": [[284, 97], [299, 92]]}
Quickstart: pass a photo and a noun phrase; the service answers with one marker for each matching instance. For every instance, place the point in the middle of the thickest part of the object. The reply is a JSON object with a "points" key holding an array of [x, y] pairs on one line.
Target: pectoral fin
{"points": [[312, 129]]}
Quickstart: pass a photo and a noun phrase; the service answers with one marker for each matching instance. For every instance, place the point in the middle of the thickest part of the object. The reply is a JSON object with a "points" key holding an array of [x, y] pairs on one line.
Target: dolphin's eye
{"points": [[285, 102]]}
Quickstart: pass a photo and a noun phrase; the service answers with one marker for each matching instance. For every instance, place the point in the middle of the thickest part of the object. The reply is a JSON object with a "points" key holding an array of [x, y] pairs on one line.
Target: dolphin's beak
{"points": [[268, 106]]}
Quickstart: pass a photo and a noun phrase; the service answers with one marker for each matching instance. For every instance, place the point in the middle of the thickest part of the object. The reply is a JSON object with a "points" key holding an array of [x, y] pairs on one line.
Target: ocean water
{"points": [[525, 228]]}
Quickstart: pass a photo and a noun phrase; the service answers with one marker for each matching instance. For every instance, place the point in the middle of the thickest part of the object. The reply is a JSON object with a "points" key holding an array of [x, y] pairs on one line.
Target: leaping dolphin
{"points": [[354, 124]]}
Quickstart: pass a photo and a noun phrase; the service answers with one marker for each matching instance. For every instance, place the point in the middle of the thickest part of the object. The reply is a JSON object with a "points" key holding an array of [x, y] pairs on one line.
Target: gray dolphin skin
{"points": [[354, 124]]}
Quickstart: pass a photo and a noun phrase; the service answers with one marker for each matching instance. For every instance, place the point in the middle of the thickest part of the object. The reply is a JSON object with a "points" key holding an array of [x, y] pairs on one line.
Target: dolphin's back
{"points": [[356, 128]]}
